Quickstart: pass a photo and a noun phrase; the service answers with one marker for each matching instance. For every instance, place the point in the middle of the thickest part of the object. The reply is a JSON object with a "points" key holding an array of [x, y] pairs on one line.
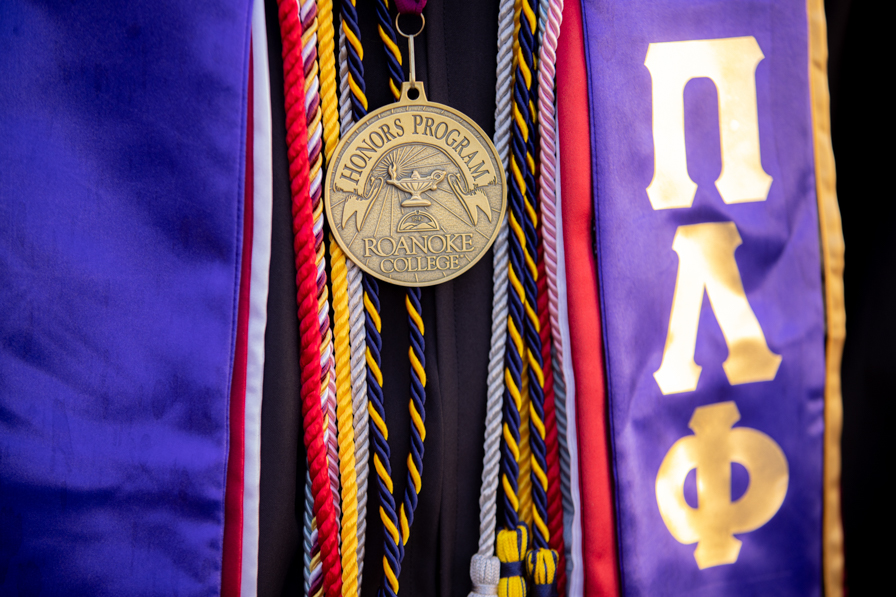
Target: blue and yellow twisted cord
{"points": [[355, 59], [390, 45]]}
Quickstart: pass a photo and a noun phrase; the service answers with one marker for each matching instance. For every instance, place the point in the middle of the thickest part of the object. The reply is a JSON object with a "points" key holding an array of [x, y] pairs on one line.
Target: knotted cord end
{"points": [[485, 572], [512, 546], [542, 567]]}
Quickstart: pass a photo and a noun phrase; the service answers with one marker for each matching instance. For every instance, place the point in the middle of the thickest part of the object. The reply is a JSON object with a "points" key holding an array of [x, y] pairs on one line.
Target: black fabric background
{"points": [[456, 62], [861, 121]]}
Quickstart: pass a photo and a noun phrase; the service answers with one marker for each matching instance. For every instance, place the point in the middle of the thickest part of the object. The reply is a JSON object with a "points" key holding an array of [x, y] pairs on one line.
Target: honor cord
{"points": [[393, 546], [393, 557], [308, 15], [390, 45], [527, 282], [550, 17], [313, 99], [513, 541], [540, 375], [306, 279], [345, 416], [485, 566], [357, 331], [345, 413]]}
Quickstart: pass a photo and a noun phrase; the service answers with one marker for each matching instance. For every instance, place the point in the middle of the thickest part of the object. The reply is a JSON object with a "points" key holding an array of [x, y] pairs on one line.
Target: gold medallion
{"points": [[415, 192]]}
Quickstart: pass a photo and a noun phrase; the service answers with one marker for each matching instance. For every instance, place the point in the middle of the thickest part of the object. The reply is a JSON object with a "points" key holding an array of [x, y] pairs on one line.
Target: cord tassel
{"points": [[484, 566], [485, 572], [542, 567], [512, 546]]}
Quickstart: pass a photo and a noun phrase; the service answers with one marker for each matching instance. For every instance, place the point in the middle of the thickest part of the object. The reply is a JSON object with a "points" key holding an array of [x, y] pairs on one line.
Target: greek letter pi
{"points": [[706, 251], [730, 64]]}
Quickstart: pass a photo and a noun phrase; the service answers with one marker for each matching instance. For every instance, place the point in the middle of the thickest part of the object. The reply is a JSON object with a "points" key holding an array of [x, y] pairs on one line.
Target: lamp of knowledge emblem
{"points": [[416, 192]]}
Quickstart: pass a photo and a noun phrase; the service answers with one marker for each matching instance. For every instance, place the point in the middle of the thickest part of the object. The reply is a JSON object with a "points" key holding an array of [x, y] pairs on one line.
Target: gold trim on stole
{"points": [[832, 248]]}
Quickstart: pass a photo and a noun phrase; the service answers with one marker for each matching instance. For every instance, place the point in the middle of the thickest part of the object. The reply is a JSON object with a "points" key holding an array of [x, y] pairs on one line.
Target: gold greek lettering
{"points": [[717, 518], [706, 262], [731, 65]]}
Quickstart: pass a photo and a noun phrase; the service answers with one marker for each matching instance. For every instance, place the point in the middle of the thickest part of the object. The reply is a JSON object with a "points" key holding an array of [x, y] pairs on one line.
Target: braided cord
{"points": [[355, 53], [344, 407], [310, 24], [360, 418], [315, 159], [328, 99], [487, 500], [485, 566], [417, 408], [354, 82], [380, 438], [346, 118], [308, 14], [515, 349], [390, 45], [551, 16], [373, 324], [357, 332], [345, 418], [309, 324], [524, 152], [309, 541]]}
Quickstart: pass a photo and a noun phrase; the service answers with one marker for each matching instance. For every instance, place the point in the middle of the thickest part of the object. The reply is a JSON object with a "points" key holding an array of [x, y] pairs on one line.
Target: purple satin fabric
{"points": [[410, 6], [121, 185], [779, 263]]}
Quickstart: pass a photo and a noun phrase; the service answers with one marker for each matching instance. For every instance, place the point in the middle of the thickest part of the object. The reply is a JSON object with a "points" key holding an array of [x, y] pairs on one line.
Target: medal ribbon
{"points": [[413, 7]]}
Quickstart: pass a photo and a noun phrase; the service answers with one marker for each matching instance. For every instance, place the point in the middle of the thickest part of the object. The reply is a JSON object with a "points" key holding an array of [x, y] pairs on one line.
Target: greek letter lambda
{"points": [[706, 262]]}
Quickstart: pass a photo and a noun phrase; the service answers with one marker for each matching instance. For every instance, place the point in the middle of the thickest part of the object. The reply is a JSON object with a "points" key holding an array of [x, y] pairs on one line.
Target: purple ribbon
{"points": [[406, 7]]}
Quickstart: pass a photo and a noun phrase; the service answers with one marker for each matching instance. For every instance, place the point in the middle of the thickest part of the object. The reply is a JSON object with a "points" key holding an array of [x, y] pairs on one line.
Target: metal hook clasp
{"points": [[412, 70]]}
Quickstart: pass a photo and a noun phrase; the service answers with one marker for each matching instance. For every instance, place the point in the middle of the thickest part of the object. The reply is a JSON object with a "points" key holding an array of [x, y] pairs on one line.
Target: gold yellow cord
{"points": [[344, 417], [329, 98]]}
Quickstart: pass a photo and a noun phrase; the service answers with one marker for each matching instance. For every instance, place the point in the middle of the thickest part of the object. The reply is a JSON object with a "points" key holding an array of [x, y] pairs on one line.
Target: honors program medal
{"points": [[415, 192]]}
